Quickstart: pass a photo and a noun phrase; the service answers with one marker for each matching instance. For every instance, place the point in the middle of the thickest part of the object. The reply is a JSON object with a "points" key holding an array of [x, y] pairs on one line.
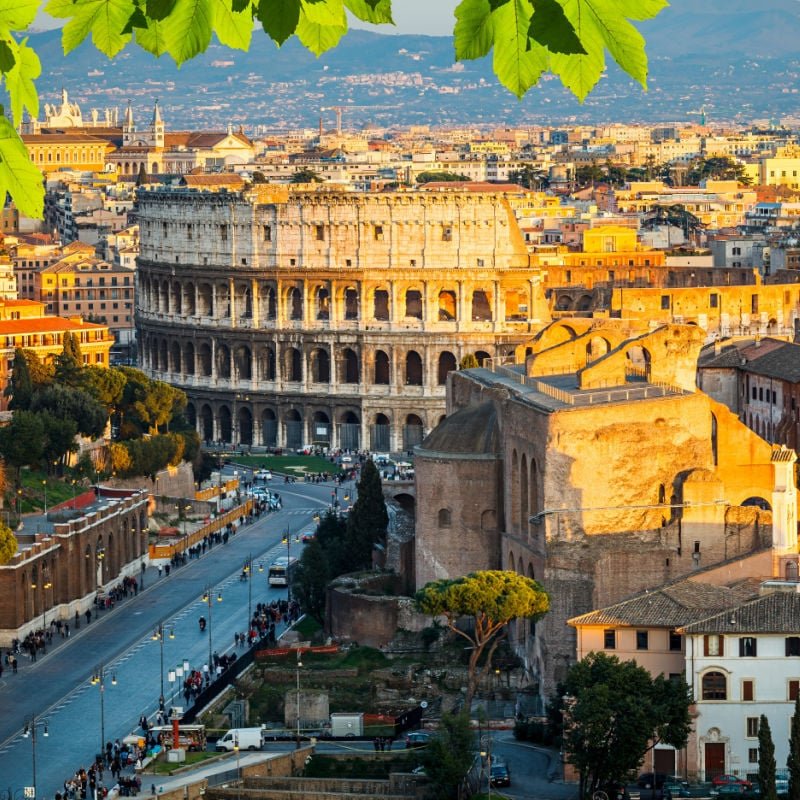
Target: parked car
{"points": [[499, 774], [418, 739], [728, 789], [671, 790], [727, 780], [647, 779], [307, 536], [263, 475]]}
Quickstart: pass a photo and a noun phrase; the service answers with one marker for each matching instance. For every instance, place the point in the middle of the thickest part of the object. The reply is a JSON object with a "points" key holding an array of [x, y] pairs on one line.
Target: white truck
{"points": [[244, 738], [347, 725]]}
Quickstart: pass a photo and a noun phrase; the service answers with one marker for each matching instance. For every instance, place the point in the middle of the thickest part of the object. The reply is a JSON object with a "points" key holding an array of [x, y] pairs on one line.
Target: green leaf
{"points": [[641, 9], [153, 39], [233, 29], [279, 18], [473, 34], [324, 12], [20, 81], [240, 5], [159, 9], [551, 28], [379, 12], [518, 62], [18, 176], [136, 20], [104, 19], [16, 15], [188, 29], [319, 37], [7, 49]]}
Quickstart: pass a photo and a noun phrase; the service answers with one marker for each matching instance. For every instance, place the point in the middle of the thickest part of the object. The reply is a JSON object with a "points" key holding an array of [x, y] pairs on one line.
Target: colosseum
{"points": [[295, 316]]}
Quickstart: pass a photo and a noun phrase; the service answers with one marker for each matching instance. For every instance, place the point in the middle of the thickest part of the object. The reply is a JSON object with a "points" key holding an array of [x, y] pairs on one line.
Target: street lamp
{"points": [[73, 493], [208, 600], [486, 753], [19, 499], [297, 705], [44, 486], [99, 679], [30, 732], [158, 636], [182, 512]]}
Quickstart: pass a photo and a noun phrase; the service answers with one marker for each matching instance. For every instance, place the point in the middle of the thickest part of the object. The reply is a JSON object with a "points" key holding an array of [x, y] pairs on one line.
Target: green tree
{"points": [[440, 176], [793, 760], [717, 168], [449, 755], [69, 361], [306, 176], [106, 385], [147, 406], [310, 582], [42, 372], [614, 712], [492, 598], [367, 520], [331, 533], [20, 385], [22, 440], [766, 760], [8, 544], [530, 177], [468, 361], [69, 403], [59, 438]]}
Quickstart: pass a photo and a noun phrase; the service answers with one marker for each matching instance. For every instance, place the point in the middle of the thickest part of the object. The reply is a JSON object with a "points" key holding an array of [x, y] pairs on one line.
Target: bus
{"points": [[281, 570]]}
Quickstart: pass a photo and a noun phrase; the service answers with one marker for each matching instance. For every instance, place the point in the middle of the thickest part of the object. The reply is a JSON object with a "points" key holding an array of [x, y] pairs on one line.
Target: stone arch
{"points": [[350, 372], [414, 374], [445, 518], [191, 304], [448, 305], [177, 298], [163, 352], [481, 307], [322, 303], [243, 363], [349, 431], [351, 303], [223, 363], [638, 360], [413, 302], [269, 428], [413, 431], [514, 488], [207, 423], [321, 428], [223, 300], [564, 303], [447, 364], [407, 502], [584, 303], [531, 574], [382, 368], [293, 424], [380, 434], [380, 305], [267, 363], [244, 424], [188, 358], [523, 493], [225, 424], [596, 348], [757, 502], [520, 567], [191, 415], [292, 365], [481, 355], [320, 365], [175, 356], [294, 303], [204, 357], [269, 303], [488, 520], [163, 301], [714, 440], [510, 563], [791, 571], [205, 300], [533, 494]]}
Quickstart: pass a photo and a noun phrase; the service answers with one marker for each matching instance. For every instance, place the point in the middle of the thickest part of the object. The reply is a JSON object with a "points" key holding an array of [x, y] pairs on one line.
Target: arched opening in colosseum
{"points": [[481, 308], [323, 303], [447, 305], [188, 358], [482, 356], [223, 363], [413, 368], [584, 303], [177, 299], [244, 302], [267, 364], [223, 300], [245, 426], [270, 305], [191, 415], [191, 308], [320, 366], [488, 520], [225, 425], [175, 357], [295, 303], [447, 364], [204, 354], [414, 304], [163, 364], [597, 348], [790, 571], [205, 300], [207, 423], [510, 561], [350, 368], [533, 505], [152, 350], [322, 429], [243, 359], [380, 305], [382, 370], [269, 428], [516, 305], [523, 493], [380, 434], [514, 492], [564, 303], [292, 365], [351, 303], [637, 366], [349, 431], [407, 502], [163, 302], [412, 432], [757, 502], [293, 424]]}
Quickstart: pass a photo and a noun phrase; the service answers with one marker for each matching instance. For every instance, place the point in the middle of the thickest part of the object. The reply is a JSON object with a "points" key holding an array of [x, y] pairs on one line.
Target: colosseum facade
{"points": [[296, 316]]}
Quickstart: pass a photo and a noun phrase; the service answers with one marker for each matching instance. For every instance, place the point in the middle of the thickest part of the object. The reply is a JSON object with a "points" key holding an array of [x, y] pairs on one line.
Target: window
{"points": [[320, 232], [714, 686], [641, 640], [664, 302], [713, 645], [754, 304], [675, 642], [794, 689], [267, 229], [379, 233], [752, 727], [713, 300], [444, 518], [752, 755], [747, 647], [610, 639], [793, 645], [447, 234], [748, 690]]}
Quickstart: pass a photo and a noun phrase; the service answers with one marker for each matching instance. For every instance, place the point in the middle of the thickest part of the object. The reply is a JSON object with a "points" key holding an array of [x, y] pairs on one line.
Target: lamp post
{"points": [[99, 679], [19, 500], [44, 486], [47, 584], [297, 704], [486, 753], [208, 600], [158, 636], [31, 727], [73, 493]]}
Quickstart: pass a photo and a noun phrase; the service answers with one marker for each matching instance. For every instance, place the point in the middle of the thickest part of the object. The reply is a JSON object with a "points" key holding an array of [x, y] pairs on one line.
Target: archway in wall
{"points": [[380, 434], [637, 365], [757, 502], [447, 364], [188, 358], [350, 431], [223, 363], [414, 304], [321, 431], [245, 425], [293, 423], [414, 376], [380, 305], [351, 303], [175, 357], [382, 368], [482, 356], [407, 502], [320, 366], [292, 365], [191, 415], [225, 425], [412, 432], [584, 303], [191, 306], [244, 363], [447, 305], [481, 308], [207, 423], [269, 428], [350, 367]]}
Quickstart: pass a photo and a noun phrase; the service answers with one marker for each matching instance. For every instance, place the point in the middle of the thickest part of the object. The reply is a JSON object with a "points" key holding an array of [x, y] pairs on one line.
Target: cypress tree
{"points": [[368, 519], [20, 387], [793, 761], [766, 760]]}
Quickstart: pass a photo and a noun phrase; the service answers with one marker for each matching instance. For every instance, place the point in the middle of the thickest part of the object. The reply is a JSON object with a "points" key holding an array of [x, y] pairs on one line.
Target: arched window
{"points": [[414, 304], [444, 518], [715, 686], [413, 369], [447, 364], [382, 372]]}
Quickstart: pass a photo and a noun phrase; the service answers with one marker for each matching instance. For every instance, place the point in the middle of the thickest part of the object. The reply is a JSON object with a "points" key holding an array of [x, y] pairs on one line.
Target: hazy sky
{"points": [[411, 16]]}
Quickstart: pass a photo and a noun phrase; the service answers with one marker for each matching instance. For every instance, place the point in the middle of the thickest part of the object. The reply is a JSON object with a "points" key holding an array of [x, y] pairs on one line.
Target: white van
{"points": [[244, 738]]}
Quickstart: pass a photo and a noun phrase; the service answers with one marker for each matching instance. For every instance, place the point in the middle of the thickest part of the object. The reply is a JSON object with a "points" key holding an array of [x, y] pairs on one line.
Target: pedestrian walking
{"points": [[159, 570]]}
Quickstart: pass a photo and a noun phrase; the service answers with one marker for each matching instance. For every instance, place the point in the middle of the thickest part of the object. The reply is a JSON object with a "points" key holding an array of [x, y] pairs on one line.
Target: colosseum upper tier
{"points": [[295, 316]]}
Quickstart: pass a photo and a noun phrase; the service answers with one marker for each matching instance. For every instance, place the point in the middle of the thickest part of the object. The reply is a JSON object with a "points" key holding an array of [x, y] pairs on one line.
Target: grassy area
{"points": [[377, 769], [307, 627], [297, 465], [166, 767], [33, 492]]}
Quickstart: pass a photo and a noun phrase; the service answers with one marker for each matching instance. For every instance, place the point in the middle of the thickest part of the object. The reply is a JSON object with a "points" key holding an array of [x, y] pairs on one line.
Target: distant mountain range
{"points": [[738, 62]]}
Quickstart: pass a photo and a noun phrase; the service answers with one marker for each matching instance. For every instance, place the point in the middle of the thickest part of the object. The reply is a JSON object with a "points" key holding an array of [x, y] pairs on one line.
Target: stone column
{"points": [[255, 301], [232, 301]]}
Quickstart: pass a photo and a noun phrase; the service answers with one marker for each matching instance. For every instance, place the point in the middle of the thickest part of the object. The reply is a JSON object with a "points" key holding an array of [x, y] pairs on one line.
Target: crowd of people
{"points": [[92, 783]]}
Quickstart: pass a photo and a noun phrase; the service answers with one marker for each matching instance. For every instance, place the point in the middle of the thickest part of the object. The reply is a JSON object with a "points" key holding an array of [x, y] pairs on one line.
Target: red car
{"points": [[730, 780], [308, 536]]}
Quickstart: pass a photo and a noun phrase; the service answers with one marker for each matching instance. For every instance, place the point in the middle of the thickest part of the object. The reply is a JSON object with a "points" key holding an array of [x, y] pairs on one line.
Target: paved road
{"points": [[57, 686]]}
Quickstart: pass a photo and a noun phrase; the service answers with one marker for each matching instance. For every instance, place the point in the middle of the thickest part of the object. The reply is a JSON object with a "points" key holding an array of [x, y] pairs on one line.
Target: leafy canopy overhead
{"points": [[526, 38]]}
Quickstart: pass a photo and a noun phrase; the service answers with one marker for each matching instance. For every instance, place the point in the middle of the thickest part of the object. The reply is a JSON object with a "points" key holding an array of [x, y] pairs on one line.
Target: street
{"points": [[56, 689]]}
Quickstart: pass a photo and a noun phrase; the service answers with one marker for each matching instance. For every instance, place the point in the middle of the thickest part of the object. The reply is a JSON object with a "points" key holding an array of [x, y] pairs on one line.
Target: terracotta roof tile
{"points": [[777, 612]]}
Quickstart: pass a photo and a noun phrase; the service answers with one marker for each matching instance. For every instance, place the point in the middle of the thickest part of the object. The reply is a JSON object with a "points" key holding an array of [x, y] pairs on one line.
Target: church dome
{"points": [[469, 431]]}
